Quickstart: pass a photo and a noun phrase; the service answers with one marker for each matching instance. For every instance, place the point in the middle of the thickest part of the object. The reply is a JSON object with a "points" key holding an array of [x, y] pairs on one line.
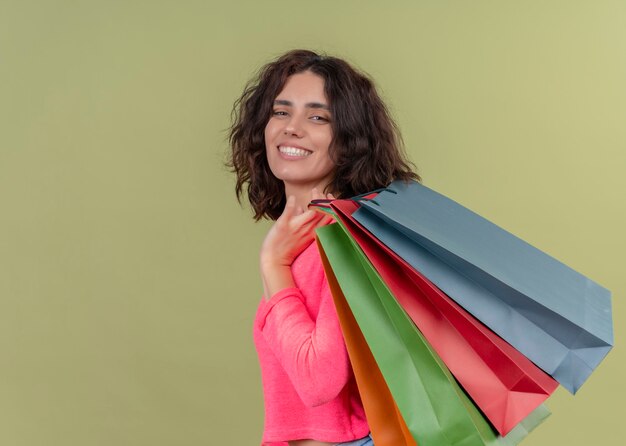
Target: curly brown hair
{"points": [[366, 147]]}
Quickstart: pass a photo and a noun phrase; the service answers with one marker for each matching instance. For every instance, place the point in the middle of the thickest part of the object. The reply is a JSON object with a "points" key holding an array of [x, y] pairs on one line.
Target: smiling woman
{"points": [[298, 135], [309, 126]]}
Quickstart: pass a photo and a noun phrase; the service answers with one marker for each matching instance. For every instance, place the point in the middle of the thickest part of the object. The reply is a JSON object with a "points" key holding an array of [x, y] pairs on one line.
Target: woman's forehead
{"points": [[303, 88]]}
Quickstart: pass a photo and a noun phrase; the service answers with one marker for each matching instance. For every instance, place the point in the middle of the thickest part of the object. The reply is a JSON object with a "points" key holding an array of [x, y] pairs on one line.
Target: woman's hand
{"points": [[292, 232]]}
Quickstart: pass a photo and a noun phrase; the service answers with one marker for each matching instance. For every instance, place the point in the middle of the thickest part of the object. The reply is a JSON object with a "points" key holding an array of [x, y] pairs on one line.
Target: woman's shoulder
{"points": [[308, 259], [308, 270]]}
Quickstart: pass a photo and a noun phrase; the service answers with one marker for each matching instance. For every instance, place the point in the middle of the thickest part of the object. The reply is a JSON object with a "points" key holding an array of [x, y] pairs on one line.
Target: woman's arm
{"points": [[312, 351]]}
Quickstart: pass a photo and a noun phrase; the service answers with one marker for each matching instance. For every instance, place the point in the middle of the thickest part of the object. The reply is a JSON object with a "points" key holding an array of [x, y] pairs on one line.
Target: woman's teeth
{"points": [[293, 151]]}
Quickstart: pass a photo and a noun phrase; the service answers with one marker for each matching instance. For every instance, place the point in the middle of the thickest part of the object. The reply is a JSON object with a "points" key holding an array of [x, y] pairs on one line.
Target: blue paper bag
{"points": [[558, 318]]}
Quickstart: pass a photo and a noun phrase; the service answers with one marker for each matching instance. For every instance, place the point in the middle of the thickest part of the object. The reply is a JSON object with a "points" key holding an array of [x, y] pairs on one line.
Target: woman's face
{"points": [[298, 134]]}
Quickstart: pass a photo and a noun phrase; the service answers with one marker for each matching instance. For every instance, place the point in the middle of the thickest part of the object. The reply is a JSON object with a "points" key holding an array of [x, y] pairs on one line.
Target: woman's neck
{"points": [[303, 194]]}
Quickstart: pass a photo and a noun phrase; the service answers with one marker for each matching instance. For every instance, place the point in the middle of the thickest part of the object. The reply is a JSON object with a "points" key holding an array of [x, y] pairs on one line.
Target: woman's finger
{"points": [[290, 207], [305, 218], [319, 220]]}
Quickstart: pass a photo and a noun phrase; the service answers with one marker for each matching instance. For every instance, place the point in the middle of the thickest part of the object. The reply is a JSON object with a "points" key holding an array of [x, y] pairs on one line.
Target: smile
{"points": [[294, 151]]}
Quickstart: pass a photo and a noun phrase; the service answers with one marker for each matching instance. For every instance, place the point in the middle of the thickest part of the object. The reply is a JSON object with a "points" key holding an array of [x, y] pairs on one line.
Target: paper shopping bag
{"points": [[435, 409], [502, 382], [555, 316], [385, 421]]}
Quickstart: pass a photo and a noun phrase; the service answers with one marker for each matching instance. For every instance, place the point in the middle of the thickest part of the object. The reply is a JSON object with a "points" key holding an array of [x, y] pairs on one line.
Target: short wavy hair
{"points": [[366, 147]]}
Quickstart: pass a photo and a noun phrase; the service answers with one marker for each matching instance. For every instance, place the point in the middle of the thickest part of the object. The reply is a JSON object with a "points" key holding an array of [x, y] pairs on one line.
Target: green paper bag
{"points": [[436, 410]]}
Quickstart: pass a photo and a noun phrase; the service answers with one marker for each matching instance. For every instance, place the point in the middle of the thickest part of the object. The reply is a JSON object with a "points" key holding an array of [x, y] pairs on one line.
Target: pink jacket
{"points": [[308, 384]]}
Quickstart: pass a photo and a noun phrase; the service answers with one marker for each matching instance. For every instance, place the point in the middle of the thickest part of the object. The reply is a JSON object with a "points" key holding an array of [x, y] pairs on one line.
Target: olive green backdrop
{"points": [[128, 272]]}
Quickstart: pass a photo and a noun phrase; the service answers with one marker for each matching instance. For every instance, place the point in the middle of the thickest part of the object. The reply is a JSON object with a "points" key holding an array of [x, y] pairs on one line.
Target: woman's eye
{"points": [[319, 118], [279, 113]]}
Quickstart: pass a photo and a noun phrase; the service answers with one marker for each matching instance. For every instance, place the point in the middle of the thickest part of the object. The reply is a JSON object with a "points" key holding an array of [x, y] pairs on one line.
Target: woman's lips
{"points": [[291, 152]]}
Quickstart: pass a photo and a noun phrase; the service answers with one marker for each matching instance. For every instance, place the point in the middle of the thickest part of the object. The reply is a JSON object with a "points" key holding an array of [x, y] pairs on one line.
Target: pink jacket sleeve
{"points": [[312, 352]]}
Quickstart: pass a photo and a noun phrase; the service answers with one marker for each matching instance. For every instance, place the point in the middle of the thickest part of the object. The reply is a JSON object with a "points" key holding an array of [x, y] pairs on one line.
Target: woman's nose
{"points": [[294, 126]]}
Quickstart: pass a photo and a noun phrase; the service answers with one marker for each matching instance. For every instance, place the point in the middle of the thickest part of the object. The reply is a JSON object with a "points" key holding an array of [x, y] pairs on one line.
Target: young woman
{"points": [[308, 126]]}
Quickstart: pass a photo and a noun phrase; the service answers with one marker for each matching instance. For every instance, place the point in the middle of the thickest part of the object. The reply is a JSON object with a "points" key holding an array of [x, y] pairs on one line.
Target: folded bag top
{"points": [[548, 295]]}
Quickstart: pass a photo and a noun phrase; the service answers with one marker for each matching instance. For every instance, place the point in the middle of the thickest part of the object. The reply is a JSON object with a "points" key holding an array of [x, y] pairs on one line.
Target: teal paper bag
{"points": [[555, 316]]}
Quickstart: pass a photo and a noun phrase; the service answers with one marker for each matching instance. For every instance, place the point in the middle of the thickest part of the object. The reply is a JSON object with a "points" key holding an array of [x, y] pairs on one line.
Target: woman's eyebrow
{"points": [[307, 105]]}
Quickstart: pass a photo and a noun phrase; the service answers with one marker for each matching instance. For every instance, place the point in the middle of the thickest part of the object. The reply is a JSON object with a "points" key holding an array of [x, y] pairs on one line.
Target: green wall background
{"points": [[128, 272]]}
